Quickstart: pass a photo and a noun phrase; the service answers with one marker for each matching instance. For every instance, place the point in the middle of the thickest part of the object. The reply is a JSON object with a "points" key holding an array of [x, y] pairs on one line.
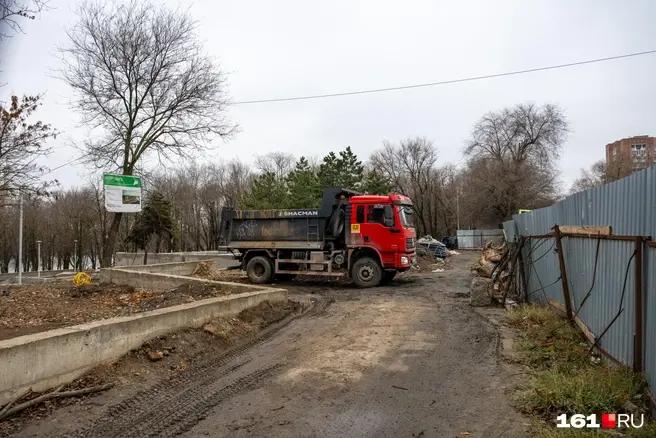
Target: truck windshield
{"points": [[407, 216]]}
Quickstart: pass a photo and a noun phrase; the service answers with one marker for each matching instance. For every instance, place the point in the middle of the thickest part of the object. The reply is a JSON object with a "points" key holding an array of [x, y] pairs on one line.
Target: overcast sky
{"points": [[289, 48]]}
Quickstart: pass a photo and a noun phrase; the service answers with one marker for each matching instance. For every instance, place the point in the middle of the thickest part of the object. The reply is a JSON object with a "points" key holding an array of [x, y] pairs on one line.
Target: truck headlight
{"points": [[405, 260]]}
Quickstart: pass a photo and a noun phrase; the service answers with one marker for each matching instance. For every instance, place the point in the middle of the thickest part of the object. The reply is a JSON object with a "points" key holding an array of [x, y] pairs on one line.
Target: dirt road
{"points": [[408, 359]]}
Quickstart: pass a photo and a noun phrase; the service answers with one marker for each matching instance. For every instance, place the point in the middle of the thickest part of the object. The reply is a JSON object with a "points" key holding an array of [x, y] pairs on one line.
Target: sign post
{"points": [[38, 258], [20, 239], [122, 193]]}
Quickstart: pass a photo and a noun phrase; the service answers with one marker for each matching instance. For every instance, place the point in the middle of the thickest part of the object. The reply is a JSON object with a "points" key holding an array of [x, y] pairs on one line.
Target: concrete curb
{"points": [[126, 259], [43, 360], [162, 276]]}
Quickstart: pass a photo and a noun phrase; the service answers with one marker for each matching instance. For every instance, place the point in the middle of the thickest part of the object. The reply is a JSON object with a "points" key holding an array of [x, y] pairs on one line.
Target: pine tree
{"points": [[376, 184], [303, 183], [268, 191], [154, 220], [329, 171], [351, 169], [344, 171]]}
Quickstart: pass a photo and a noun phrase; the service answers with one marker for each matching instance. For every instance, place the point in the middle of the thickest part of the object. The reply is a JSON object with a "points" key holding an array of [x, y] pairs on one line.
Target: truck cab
{"points": [[367, 238], [381, 227]]}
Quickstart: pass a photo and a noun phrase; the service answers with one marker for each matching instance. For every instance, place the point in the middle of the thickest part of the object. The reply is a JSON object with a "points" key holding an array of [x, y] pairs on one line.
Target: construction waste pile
{"points": [[431, 254], [496, 278]]}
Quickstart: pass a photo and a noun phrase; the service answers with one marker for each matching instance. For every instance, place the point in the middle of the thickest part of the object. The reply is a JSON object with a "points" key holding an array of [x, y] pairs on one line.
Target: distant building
{"points": [[627, 155]]}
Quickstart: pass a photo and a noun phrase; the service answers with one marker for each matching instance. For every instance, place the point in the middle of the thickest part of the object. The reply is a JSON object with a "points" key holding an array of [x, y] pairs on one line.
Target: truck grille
{"points": [[410, 243]]}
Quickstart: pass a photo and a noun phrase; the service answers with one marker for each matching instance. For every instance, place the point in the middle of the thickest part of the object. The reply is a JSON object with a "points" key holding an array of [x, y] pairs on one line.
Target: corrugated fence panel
{"points": [[627, 205], [510, 230], [470, 239], [650, 321], [605, 298], [650, 203], [542, 271]]}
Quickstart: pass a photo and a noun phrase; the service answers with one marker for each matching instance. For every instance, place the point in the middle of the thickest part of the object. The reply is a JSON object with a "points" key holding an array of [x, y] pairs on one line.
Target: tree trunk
{"points": [[110, 241]]}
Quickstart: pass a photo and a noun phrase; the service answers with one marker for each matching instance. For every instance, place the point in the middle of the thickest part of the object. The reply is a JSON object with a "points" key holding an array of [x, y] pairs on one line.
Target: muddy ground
{"points": [[37, 307], [408, 359]]}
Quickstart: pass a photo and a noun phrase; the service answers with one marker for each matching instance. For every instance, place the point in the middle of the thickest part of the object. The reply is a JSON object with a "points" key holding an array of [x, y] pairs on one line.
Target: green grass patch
{"points": [[589, 390], [548, 341], [566, 378]]}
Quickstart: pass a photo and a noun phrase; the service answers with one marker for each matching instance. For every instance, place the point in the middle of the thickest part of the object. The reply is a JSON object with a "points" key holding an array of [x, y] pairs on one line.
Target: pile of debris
{"points": [[496, 274], [428, 245], [208, 271], [431, 255]]}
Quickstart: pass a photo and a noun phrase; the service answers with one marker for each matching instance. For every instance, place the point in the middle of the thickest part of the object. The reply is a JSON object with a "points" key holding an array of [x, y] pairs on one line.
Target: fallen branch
{"points": [[51, 395], [10, 404]]}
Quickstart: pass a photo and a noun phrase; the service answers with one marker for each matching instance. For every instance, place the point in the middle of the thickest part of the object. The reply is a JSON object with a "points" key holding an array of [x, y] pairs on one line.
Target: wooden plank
{"points": [[603, 230]]}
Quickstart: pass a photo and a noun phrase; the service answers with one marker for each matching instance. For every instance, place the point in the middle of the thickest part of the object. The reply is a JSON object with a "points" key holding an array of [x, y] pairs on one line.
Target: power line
{"points": [[451, 81], [63, 165]]}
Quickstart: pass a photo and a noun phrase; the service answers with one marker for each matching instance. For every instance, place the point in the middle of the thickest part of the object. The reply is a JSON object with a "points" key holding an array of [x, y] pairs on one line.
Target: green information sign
{"points": [[122, 193]]}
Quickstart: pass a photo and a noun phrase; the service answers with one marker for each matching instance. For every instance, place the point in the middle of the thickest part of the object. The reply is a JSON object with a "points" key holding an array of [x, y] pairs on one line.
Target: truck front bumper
{"points": [[405, 261]]}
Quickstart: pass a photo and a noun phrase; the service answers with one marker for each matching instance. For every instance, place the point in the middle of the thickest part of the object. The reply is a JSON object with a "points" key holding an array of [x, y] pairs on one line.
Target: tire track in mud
{"points": [[174, 405]]}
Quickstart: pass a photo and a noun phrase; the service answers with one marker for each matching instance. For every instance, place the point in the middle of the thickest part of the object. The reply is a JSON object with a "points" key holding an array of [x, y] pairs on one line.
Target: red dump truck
{"points": [[368, 238]]}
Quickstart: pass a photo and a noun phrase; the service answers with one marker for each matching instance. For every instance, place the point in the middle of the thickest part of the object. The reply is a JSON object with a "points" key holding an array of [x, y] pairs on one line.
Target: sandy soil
{"points": [[36, 307], [408, 359]]}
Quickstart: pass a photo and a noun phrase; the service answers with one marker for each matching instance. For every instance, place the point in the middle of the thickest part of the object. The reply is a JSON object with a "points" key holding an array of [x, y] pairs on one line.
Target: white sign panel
{"points": [[122, 193]]}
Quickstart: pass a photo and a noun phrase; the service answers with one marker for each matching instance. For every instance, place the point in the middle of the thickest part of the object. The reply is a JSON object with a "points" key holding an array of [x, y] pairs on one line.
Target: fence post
{"points": [[563, 274], [638, 329], [520, 261]]}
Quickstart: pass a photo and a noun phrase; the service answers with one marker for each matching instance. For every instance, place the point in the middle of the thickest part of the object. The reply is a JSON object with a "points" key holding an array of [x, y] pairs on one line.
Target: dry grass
{"points": [[567, 378]]}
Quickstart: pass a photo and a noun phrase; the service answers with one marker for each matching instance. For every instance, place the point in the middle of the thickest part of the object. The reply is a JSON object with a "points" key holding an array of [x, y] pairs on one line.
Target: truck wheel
{"points": [[366, 272], [388, 276], [259, 270]]}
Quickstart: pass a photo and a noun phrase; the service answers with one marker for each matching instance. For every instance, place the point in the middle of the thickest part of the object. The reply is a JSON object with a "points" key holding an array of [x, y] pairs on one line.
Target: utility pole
{"points": [[457, 208], [38, 258], [20, 238], [75, 258]]}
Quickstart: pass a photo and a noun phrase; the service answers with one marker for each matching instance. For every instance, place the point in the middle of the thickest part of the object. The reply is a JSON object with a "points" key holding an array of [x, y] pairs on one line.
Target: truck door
{"points": [[378, 231]]}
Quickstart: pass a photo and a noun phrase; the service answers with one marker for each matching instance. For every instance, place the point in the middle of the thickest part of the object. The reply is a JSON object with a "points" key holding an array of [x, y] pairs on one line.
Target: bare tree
{"points": [[13, 12], [142, 80], [411, 167], [276, 163], [525, 132], [599, 173], [22, 142], [512, 156]]}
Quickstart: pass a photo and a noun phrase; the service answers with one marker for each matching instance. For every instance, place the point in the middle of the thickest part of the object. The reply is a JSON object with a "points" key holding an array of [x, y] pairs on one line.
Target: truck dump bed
{"points": [[281, 229]]}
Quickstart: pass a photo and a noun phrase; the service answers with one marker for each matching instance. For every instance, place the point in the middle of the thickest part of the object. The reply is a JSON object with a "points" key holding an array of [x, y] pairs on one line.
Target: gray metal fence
{"points": [[474, 239], [612, 281]]}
